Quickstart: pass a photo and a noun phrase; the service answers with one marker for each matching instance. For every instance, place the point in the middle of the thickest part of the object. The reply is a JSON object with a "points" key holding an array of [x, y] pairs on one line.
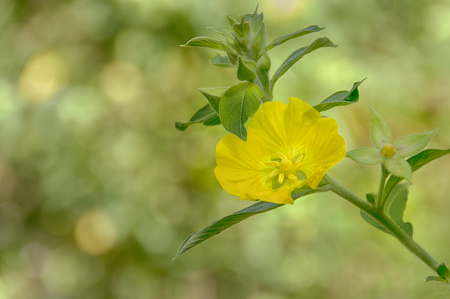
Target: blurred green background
{"points": [[98, 189]]}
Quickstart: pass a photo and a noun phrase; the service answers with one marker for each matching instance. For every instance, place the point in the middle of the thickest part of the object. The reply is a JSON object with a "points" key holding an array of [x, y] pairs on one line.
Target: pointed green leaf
{"points": [[262, 69], [256, 22], [246, 69], [413, 144], [285, 38], [234, 44], [221, 61], [443, 271], [207, 42], [340, 98], [416, 162], [297, 55], [218, 30], [259, 41], [366, 155], [230, 220], [213, 95], [239, 103], [436, 278], [396, 205], [205, 115], [399, 167], [231, 21], [371, 197], [380, 134], [242, 30], [372, 221]]}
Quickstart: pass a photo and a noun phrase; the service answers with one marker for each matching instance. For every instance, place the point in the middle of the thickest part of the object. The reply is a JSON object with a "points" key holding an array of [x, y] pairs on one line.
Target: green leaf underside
{"points": [[372, 221], [207, 42], [340, 98], [436, 278], [213, 95], [239, 103], [221, 61], [205, 115], [246, 69], [220, 225], [285, 38], [297, 55], [417, 161], [395, 207]]}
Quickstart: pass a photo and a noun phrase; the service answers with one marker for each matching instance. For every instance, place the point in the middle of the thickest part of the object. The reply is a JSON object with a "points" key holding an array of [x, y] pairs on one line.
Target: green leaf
{"points": [[242, 31], [396, 205], [234, 43], [416, 162], [218, 226], [372, 221], [443, 271], [246, 69], [340, 98], [213, 95], [262, 69], [371, 197], [221, 61], [218, 30], [297, 55], [285, 38], [259, 41], [366, 155], [207, 42], [231, 21], [436, 278], [205, 115], [239, 103], [413, 144], [380, 134]]}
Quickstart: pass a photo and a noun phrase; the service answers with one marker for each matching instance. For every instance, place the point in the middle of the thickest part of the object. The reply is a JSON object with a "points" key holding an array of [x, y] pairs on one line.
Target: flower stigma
{"points": [[286, 168], [388, 150]]}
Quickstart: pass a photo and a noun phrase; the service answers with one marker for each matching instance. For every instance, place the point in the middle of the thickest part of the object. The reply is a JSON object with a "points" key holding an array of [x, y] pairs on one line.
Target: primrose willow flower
{"points": [[287, 147], [391, 153]]}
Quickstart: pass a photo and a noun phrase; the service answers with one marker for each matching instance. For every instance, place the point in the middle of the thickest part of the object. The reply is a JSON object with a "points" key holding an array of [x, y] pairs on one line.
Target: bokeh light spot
{"points": [[121, 81], [43, 76], [95, 232]]}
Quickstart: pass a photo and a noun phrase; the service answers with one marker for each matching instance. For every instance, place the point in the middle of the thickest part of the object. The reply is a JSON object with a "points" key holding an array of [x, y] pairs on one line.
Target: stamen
{"points": [[281, 178], [282, 156], [292, 177], [274, 173], [272, 163], [292, 153]]}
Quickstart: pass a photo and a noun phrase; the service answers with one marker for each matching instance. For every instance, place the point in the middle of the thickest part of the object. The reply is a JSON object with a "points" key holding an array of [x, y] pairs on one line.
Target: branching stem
{"points": [[384, 220]]}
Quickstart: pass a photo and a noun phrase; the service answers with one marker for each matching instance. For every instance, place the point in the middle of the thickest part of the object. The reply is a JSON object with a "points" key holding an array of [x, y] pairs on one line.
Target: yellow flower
{"points": [[287, 147]]}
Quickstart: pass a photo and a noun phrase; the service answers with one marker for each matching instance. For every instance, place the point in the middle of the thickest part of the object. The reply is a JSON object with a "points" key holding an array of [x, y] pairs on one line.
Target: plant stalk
{"points": [[384, 220]]}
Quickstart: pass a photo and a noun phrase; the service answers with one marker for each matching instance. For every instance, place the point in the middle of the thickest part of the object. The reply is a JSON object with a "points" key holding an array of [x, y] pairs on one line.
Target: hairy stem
{"points": [[387, 222], [379, 203]]}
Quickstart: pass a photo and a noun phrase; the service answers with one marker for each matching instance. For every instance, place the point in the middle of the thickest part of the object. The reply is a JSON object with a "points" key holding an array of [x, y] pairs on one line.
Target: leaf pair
{"points": [[396, 195]]}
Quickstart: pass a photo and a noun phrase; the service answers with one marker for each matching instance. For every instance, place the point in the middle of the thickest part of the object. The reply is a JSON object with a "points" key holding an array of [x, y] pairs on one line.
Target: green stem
{"points": [[388, 223], [380, 198]]}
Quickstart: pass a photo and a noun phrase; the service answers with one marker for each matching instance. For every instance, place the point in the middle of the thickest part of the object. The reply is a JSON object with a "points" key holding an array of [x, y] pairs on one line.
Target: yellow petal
{"points": [[299, 119], [240, 165], [280, 195], [268, 124], [324, 148]]}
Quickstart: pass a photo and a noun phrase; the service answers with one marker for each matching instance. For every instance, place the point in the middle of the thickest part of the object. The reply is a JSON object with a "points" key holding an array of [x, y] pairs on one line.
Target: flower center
{"points": [[285, 165], [286, 168], [388, 150]]}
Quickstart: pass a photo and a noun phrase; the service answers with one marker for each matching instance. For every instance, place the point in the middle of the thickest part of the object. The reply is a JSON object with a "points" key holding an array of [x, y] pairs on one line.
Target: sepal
{"points": [[412, 144], [366, 156], [380, 133]]}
